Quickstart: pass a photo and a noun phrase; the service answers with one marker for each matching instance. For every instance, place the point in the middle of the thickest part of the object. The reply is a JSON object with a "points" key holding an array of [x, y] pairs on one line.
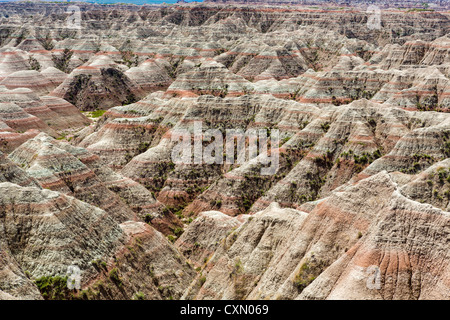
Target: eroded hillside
{"points": [[88, 179]]}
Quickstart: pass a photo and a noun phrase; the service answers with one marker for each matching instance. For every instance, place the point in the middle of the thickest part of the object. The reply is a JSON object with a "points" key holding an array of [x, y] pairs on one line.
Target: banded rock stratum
{"points": [[358, 207]]}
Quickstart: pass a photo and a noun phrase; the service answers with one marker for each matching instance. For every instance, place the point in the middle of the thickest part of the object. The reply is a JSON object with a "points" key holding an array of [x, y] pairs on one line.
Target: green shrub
{"points": [[309, 271], [114, 276], [148, 218], [53, 288], [325, 126], [178, 231], [97, 113], [99, 264], [139, 296]]}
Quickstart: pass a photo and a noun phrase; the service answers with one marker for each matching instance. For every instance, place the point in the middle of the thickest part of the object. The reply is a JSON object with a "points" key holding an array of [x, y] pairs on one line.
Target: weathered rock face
{"points": [[74, 171], [91, 88], [429, 186], [16, 118], [30, 79], [14, 284], [12, 61], [331, 252], [152, 74], [205, 234], [209, 78], [57, 169], [414, 53], [22, 111], [68, 115], [357, 206], [55, 76], [394, 245], [116, 261], [10, 172], [9, 139], [335, 144]]}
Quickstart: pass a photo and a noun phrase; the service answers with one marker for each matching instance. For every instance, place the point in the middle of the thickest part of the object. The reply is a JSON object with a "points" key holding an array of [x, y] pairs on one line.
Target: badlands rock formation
{"points": [[356, 207]]}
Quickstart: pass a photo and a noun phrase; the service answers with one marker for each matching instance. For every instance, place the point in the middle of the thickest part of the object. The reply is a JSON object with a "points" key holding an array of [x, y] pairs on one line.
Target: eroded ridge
{"points": [[225, 150]]}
